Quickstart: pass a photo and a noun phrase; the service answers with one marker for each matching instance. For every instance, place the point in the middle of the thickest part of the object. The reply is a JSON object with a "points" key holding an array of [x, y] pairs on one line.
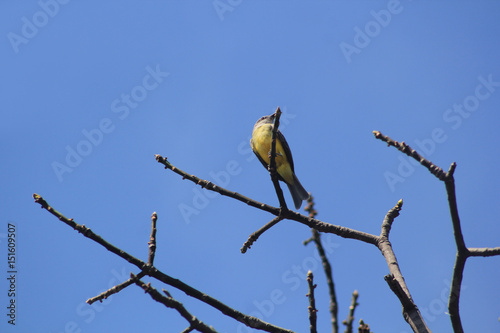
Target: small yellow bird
{"points": [[261, 146]]}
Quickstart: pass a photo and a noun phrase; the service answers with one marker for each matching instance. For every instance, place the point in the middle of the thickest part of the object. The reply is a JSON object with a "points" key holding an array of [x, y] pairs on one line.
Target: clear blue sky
{"points": [[91, 91]]}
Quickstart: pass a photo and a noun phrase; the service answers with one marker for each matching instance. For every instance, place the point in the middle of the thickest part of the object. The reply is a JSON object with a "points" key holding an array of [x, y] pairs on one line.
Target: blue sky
{"points": [[91, 91]]}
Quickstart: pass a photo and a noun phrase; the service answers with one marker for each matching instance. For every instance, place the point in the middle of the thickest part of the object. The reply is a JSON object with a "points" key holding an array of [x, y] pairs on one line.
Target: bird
{"points": [[261, 146]]}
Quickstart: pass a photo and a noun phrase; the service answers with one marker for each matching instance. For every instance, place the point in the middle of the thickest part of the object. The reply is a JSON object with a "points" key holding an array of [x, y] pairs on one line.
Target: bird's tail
{"points": [[298, 192]]}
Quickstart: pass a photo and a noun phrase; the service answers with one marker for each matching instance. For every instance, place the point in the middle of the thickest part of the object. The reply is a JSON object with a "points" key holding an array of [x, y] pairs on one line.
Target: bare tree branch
{"points": [[454, 299], [152, 240], [170, 302], [312, 303], [462, 251], [484, 252], [250, 321], [316, 238], [90, 234], [254, 236], [403, 147], [452, 202], [350, 317], [395, 279], [114, 290], [212, 187]]}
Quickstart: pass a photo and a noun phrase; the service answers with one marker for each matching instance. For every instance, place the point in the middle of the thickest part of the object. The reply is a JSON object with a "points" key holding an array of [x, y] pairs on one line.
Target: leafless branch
{"points": [[151, 271], [462, 251], [316, 238], [403, 147], [114, 290], [212, 187], [254, 236], [484, 252], [350, 317], [152, 239], [395, 280], [170, 302], [312, 303]]}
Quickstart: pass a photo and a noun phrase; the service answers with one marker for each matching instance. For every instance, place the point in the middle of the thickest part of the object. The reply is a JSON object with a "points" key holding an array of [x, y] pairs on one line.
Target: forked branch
{"points": [[462, 251], [153, 272]]}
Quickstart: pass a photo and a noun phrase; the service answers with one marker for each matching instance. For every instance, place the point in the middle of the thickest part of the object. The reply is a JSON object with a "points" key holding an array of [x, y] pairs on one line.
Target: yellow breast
{"points": [[261, 143]]}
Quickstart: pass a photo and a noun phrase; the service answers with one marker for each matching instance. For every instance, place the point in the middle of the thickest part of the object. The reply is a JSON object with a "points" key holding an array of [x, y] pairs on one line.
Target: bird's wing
{"points": [[288, 152]]}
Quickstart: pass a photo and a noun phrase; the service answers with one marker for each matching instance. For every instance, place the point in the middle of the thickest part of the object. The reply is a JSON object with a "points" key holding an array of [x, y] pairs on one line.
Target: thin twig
{"points": [[114, 290], [152, 240], [250, 321], [350, 317], [254, 236], [174, 304], [212, 187], [90, 234], [389, 218], [403, 147], [312, 303], [316, 238]]}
